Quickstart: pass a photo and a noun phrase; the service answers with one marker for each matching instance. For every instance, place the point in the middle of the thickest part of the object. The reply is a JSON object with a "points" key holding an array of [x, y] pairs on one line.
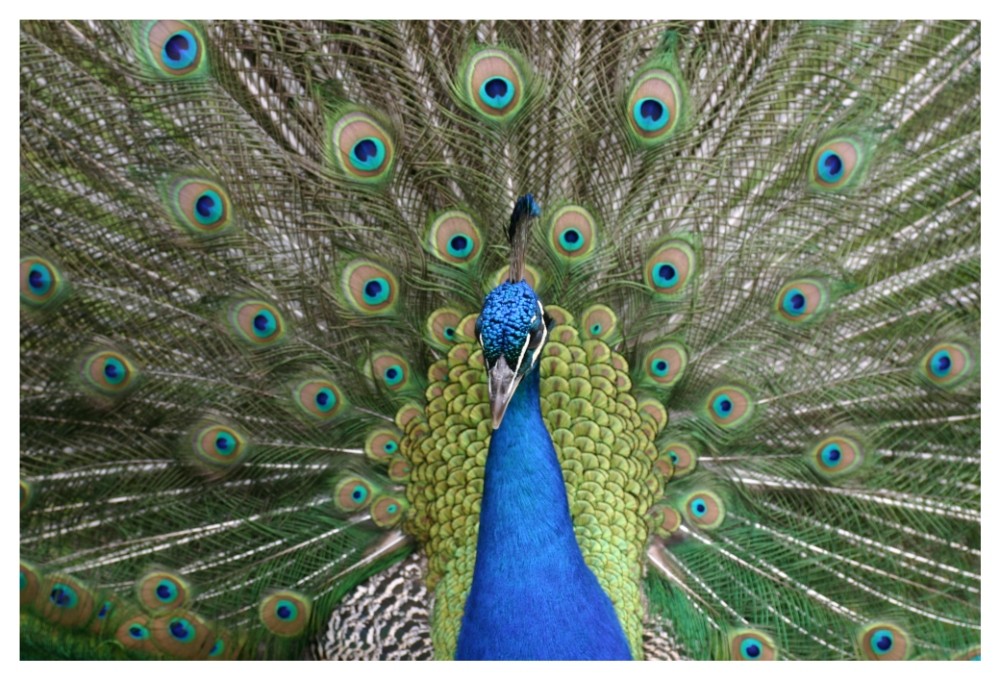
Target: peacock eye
{"points": [[535, 338]]}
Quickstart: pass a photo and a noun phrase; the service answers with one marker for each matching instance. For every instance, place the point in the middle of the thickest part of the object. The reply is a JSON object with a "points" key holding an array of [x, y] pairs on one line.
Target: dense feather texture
{"points": [[235, 239]]}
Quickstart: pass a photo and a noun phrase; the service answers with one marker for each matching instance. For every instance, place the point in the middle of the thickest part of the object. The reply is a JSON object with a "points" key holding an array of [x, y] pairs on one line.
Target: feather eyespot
{"points": [[572, 233], [218, 446], [183, 635], [174, 48], [381, 445], [883, 642], [109, 373], [134, 633], [387, 511], [599, 323], [352, 493], [160, 591], [729, 407], [318, 399], [221, 648], [369, 288], [751, 645], [682, 456], [838, 164], [453, 237], [705, 509], [442, 327], [802, 301], [669, 269], [257, 323], [361, 148], [200, 206], [665, 364], [836, 456], [665, 520], [655, 106], [389, 369], [65, 601], [947, 364], [494, 84], [285, 613], [42, 284], [399, 470]]}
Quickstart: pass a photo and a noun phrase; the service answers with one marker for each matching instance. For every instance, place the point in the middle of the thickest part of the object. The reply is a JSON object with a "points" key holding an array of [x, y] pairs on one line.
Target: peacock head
{"points": [[512, 329], [512, 326]]}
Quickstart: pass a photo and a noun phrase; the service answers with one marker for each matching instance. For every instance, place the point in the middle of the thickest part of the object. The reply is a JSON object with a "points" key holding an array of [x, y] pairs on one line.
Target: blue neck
{"points": [[532, 595]]}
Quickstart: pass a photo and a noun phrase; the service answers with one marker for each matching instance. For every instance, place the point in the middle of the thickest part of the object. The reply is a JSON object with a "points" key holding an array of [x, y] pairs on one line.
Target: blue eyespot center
{"points": [[137, 632], [181, 630], [650, 114], [460, 245], [449, 333], [368, 154], [497, 92], [114, 371], [39, 279], [208, 207], [723, 406], [264, 324], [286, 611], [393, 375], [831, 455], [596, 329], [325, 399], [941, 363], [390, 447], [882, 642], [180, 50], [217, 648], [666, 275], [376, 291], [105, 608], [225, 443], [830, 166], [674, 458], [699, 507], [751, 648], [661, 367], [794, 303], [164, 592], [359, 493], [571, 239], [60, 596], [392, 509]]}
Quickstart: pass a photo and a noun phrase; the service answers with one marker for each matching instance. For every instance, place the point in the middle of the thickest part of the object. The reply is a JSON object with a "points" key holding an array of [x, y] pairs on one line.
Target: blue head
{"points": [[512, 326]]}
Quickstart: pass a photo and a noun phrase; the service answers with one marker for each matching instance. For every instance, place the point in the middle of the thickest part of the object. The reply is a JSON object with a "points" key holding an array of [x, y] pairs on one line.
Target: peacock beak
{"points": [[502, 384]]}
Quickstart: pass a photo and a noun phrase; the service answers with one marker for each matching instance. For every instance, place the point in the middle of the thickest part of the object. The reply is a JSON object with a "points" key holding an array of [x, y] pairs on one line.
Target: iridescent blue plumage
{"points": [[510, 312], [532, 595]]}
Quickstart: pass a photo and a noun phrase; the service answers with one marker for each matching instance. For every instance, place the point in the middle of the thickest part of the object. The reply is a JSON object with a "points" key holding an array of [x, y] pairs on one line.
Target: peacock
{"points": [[500, 340]]}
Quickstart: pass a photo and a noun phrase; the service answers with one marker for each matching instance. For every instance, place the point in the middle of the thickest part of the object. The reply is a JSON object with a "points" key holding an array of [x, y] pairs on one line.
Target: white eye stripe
{"points": [[524, 349], [545, 334]]}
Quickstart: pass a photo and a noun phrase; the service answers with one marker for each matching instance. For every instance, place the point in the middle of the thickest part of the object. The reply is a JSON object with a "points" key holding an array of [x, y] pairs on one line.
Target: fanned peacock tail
{"points": [[252, 260]]}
